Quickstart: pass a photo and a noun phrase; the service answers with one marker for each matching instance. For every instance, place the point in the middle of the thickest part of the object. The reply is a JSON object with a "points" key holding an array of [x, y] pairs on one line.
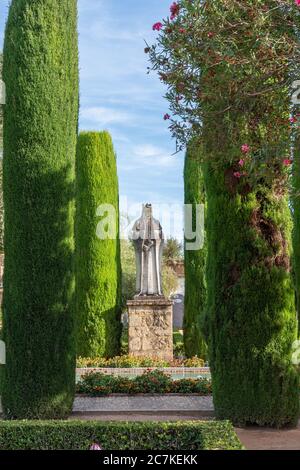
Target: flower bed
{"points": [[152, 381], [130, 361], [84, 435]]}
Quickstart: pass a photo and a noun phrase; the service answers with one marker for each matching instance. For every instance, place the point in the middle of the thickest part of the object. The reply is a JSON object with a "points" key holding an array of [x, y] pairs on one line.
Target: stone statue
{"points": [[148, 239]]}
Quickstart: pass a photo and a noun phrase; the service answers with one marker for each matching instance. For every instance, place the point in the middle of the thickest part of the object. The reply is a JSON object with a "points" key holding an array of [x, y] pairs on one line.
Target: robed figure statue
{"points": [[148, 239]]}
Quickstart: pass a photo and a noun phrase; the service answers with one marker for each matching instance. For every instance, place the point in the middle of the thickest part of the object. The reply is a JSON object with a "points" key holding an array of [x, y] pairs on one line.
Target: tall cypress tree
{"points": [[251, 319], [296, 226], [40, 125], [1, 169], [228, 82], [194, 261], [98, 264]]}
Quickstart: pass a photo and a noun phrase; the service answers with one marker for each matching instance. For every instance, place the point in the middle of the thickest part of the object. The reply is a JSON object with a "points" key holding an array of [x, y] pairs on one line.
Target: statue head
{"points": [[147, 211]]}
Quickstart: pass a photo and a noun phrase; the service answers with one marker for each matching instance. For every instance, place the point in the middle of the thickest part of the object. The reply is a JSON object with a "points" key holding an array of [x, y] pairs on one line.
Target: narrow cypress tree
{"points": [[194, 261], [40, 124], [232, 96], [296, 226], [251, 317], [1, 169], [98, 264]]}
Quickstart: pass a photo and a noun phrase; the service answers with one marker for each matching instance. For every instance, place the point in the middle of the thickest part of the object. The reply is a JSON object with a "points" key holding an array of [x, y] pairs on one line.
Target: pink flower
{"points": [[245, 148], [242, 162], [167, 116], [174, 9], [182, 30], [293, 119], [95, 446], [157, 26], [210, 34], [287, 161], [297, 2], [237, 174]]}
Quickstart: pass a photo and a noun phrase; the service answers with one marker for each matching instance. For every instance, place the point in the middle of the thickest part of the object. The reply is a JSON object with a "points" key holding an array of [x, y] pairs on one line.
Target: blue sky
{"points": [[119, 96]]}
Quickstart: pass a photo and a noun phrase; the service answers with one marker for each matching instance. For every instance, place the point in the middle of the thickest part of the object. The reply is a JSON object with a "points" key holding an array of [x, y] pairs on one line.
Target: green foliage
{"points": [[172, 249], [124, 340], [80, 435], [41, 74], [194, 261], [152, 381], [211, 69], [169, 281], [133, 361], [178, 346], [98, 264], [128, 271]]}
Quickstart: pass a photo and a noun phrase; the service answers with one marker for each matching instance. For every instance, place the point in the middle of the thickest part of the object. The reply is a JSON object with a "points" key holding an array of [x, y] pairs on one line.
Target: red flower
{"points": [[167, 116], [174, 9], [210, 34], [287, 161], [237, 174], [157, 26], [182, 30]]}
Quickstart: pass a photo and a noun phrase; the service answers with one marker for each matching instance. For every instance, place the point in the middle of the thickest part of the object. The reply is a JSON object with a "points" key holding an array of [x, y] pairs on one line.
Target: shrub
{"points": [[98, 263], [199, 386], [79, 435], [40, 69], [152, 381]]}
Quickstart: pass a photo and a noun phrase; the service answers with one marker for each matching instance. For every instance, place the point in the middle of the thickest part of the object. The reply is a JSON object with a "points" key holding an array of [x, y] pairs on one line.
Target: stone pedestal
{"points": [[150, 327]]}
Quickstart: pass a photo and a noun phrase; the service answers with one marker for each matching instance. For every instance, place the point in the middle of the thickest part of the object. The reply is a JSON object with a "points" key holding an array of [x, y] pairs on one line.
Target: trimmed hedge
{"points": [[80, 435], [194, 262], [98, 262], [40, 70]]}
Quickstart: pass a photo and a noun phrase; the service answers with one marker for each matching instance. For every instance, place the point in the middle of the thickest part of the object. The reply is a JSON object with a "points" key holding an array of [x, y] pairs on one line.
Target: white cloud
{"points": [[104, 116], [154, 156]]}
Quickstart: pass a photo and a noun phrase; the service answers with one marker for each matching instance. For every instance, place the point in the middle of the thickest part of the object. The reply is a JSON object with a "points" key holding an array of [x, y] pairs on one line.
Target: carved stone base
{"points": [[150, 324]]}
